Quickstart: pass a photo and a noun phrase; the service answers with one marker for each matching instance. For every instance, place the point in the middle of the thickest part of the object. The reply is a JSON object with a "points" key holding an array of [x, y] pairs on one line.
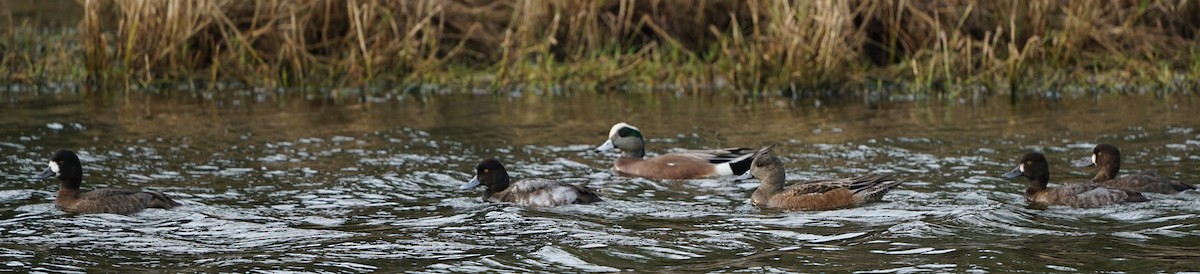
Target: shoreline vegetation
{"points": [[908, 47]]}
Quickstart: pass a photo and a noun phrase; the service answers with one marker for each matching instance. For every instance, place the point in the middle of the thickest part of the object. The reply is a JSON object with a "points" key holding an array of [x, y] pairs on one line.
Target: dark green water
{"points": [[309, 183]]}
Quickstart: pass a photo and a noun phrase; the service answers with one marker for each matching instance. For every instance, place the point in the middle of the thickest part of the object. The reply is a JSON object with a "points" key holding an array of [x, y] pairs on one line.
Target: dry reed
{"points": [[757, 45]]}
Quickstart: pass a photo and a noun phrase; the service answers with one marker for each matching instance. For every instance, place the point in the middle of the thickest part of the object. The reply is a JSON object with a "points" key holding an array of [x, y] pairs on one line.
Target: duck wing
{"points": [[866, 188], [816, 187], [1088, 195], [818, 195], [121, 201], [545, 193], [872, 187], [1147, 181], [718, 156]]}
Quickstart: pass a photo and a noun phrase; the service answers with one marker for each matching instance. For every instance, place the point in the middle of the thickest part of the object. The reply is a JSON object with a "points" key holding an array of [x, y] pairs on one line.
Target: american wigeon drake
{"points": [[811, 195], [65, 166], [691, 164], [1033, 165], [1108, 160], [530, 192]]}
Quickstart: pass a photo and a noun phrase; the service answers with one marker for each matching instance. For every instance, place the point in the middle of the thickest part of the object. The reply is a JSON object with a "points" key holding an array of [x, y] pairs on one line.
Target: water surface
{"points": [[310, 182]]}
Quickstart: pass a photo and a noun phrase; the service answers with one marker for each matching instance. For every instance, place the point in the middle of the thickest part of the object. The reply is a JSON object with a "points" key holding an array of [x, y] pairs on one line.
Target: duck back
{"points": [[1147, 181], [806, 197], [1085, 196], [119, 201], [828, 194], [544, 193]]}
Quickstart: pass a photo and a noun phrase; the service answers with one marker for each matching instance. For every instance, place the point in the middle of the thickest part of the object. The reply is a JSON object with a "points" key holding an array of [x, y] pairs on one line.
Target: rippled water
{"points": [[292, 181]]}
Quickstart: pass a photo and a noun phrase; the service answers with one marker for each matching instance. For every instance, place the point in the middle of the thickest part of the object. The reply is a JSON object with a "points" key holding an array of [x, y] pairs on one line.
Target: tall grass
{"points": [[942, 47], [31, 54]]}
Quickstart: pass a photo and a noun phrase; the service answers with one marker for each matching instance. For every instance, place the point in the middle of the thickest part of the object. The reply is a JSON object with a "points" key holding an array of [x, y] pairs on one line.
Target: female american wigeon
{"points": [[530, 192], [690, 164], [811, 195], [1033, 165], [1108, 160], [65, 166]]}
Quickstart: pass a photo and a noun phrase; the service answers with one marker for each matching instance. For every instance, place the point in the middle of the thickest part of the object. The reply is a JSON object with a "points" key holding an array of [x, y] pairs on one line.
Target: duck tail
{"points": [[585, 195], [1181, 186], [872, 187], [741, 164], [160, 200], [1135, 197]]}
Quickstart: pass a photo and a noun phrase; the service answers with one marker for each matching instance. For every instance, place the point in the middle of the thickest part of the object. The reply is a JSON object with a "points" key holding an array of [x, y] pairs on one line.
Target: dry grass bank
{"points": [[923, 46]]}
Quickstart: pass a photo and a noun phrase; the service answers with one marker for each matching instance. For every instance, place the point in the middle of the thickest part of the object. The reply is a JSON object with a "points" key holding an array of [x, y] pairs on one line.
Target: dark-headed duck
{"points": [[1033, 165], [65, 166], [1108, 160], [530, 192], [811, 195], [691, 164]]}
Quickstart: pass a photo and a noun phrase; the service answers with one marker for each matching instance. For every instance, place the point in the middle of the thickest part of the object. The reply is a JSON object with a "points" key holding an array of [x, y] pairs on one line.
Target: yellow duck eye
{"points": [[486, 171]]}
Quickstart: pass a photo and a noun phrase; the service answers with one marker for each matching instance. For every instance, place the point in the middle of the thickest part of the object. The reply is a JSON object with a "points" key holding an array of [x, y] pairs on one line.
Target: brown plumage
{"points": [[690, 164], [532, 192], [1107, 159], [65, 166], [1033, 165], [812, 195]]}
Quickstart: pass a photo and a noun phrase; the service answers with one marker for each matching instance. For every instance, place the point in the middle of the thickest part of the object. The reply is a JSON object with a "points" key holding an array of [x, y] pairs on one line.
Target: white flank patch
{"points": [[546, 193], [564, 195], [725, 169], [558, 195], [539, 199]]}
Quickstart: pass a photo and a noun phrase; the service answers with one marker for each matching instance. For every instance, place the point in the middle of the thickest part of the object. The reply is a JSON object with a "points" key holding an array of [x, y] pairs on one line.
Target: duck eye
{"points": [[486, 171]]}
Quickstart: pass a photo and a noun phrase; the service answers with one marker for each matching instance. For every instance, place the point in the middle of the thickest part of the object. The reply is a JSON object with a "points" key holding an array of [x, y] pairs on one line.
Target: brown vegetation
{"points": [[757, 45]]}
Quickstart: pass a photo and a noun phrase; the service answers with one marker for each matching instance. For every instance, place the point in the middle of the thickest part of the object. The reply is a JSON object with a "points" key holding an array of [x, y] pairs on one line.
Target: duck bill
{"points": [[1085, 162], [45, 174], [744, 176], [608, 145], [1016, 172], [472, 184]]}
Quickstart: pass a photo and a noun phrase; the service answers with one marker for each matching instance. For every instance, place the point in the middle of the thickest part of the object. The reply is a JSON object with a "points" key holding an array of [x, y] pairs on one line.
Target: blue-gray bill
{"points": [[1016, 172], [472, 184], [45, 174], [1085, 162], [744, 176], [608, 145]]}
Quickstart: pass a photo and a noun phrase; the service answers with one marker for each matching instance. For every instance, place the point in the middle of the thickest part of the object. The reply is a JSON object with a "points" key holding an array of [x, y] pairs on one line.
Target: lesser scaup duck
{"points": [[529, 192], [811, 195], [1033, 165], [1108, 160], [65, 166], [690, 164]]}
